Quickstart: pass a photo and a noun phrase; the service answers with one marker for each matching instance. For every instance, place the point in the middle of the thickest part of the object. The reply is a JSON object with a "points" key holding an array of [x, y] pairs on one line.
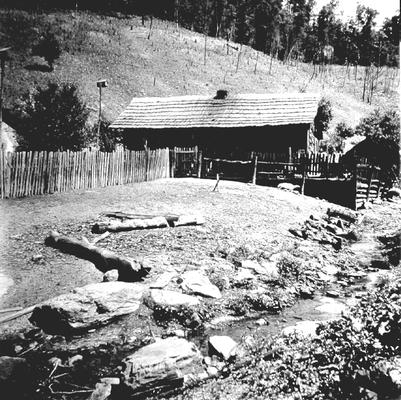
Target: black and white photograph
{"points": [[200, 200]]}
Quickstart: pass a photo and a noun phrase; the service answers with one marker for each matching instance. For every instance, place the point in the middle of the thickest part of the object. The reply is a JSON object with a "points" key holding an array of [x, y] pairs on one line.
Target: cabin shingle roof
{"points": [[242, 110]]}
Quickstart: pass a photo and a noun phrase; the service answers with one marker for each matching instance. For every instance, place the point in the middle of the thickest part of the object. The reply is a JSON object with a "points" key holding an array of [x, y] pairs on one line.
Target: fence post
{"points": [[303, 168], [172, 162], [255, 167], [369, 182], [199, 163], [290, 155], [146, 163]]}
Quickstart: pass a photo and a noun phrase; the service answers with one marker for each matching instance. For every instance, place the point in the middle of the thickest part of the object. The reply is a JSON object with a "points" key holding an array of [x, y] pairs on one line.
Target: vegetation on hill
{"points": [[286, 28], [163, 60]]}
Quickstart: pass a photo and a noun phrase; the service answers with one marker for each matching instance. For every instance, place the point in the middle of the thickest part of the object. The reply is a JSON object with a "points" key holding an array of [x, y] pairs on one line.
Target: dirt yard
{"points": [[244, 223], [237, 215]]}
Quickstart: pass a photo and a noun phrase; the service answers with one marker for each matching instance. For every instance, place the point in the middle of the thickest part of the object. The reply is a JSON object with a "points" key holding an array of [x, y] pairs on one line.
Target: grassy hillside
{"points": [[170, 62]]}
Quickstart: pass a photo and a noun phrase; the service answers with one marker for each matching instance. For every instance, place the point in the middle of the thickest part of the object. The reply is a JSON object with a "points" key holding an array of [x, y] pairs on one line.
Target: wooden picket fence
{"points": [[39, 172], [367, 184]]}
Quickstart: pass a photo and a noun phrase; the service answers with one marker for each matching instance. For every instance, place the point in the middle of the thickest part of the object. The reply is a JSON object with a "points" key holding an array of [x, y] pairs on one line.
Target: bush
{"points": [[48, 48], [53, 118], [344, 131], [382, 129], [107, 140], [323, 117]]}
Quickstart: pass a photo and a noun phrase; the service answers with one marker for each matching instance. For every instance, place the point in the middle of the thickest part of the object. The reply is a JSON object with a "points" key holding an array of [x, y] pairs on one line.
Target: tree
{"points": [[48, 48], [53, 118], [343, 130], [382, 129], [107, 140], [323, 117]]}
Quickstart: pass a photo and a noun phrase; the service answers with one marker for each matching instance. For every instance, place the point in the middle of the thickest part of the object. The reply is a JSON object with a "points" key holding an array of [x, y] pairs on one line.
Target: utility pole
{"points": [[3, 55], [102, 83]]}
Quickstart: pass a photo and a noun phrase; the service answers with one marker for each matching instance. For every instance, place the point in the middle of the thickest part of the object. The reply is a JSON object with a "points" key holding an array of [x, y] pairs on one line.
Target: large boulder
{"points": [[88, 307], [198, 283], [161, 366]]}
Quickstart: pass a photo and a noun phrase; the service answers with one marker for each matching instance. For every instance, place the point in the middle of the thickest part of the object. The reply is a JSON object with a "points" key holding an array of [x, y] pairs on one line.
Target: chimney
{"points": [[221, 94]]}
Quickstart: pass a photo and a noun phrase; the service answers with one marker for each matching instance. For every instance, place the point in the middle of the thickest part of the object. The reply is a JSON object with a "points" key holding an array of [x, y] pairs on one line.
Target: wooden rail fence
{"points": [[39, 172]]}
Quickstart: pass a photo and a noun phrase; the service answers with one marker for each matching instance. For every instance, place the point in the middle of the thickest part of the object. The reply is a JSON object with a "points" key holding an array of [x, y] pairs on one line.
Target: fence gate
{"points": [[184, 161]]}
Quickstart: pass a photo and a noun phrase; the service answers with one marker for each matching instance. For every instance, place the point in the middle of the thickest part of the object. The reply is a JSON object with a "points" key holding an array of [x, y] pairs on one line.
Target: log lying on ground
{"points": [[130, 225], [88, 307], [130, 222], [104, 260]]}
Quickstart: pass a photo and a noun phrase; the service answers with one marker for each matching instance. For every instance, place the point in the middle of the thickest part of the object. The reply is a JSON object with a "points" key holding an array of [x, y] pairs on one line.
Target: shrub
{"points": [[53, 118], [343, 130], [48, 48], [382, 129], [323, 117], [106, 139]]}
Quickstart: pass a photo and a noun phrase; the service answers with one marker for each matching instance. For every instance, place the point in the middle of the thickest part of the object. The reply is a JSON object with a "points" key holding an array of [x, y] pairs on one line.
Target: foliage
{"points": [[275, 26], [323, 117], [382, 128], [348, 356], [53, 118], [107, 140], [48, 47], [343, 130]]}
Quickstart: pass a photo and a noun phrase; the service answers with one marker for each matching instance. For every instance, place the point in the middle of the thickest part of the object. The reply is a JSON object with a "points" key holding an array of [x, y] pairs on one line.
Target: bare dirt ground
{"points": [[245, 220], [237, 215]]}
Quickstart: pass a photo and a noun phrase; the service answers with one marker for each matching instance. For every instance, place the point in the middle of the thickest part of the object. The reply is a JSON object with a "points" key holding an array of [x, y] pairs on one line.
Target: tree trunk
{"points": [[130, 225], [104, 260]]}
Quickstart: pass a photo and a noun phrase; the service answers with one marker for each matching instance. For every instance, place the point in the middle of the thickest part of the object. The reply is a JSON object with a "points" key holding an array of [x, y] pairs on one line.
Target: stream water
{"points": [[306, 314]]}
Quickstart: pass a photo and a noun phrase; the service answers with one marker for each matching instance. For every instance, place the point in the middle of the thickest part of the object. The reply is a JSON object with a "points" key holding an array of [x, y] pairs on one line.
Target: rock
{"points": [[162, 365], [261, 322], [37, 258], [88, 307], [111, 381], [306, 292], [302, 328], [111, 276], [169, 298], [163, 280], [289, 186], [101, 392], [222, 345], [212, 371], [332, 293], [244, 274], [270, 269], [197, 282], [179, 333], [207, 360]]}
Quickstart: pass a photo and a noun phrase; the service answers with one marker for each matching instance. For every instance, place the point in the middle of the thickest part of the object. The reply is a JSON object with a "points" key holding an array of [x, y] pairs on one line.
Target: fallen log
{"points": [[129, 225], [17, 314], [130, 222], [104, 260]]}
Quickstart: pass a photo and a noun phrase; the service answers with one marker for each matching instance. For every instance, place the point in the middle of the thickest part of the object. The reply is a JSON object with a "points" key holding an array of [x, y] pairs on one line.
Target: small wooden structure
{"points": [[222, 124]]}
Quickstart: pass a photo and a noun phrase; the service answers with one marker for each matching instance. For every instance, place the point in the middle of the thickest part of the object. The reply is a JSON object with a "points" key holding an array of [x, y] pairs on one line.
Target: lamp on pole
{"points": [[102, 83], [3, 56]]}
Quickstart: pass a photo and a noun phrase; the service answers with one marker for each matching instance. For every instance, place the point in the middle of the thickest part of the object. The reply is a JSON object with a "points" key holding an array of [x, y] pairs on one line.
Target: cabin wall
{"points": [[223, 140]]}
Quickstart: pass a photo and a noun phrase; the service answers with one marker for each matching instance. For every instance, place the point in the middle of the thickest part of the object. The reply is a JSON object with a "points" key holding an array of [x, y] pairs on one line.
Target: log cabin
{"points": [[222, 123]]}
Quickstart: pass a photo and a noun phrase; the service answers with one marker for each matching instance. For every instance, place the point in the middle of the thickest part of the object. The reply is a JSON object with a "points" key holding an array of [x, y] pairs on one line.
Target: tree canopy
{"points": [[53, 118]]}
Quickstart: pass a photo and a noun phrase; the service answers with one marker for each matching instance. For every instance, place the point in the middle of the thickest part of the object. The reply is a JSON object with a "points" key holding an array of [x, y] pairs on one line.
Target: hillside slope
{"points": [[169, 62]]}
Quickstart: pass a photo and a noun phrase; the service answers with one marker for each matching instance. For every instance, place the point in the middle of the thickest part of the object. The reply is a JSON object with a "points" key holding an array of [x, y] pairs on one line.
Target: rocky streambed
{"points": [[178, 328]]}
